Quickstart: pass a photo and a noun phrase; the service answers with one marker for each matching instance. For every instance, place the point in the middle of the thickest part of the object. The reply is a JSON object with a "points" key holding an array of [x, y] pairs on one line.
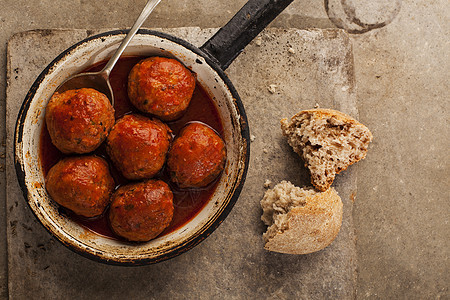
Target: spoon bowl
{"points": [[95, 80]]}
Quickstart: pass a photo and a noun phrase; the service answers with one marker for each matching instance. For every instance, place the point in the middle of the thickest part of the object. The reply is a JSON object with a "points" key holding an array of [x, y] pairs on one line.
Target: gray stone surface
{"points": [[305, 68], [403, 204], [402, 77]]}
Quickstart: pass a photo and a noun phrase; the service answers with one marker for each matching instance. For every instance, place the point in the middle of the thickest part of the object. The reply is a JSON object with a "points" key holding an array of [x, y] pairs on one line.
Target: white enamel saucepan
{"points": [[208, 62]]}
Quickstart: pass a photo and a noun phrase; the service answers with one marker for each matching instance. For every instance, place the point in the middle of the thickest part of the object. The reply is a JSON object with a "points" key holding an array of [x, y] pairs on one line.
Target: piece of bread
{"points": [[300, 220], [328, 141]]}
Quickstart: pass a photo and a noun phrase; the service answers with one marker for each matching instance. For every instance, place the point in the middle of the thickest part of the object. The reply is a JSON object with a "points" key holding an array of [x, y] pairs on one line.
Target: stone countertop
{"points": [[401, 64]]}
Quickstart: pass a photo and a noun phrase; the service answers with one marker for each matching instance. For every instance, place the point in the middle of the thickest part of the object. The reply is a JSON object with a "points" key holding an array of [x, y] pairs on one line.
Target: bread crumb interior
{"points": [[328, 145], [278, 202]]}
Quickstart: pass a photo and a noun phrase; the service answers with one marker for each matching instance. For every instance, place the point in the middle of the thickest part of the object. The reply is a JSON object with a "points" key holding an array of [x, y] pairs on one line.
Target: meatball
{"points": [[82, 184], [197, 156], [161, 86], [141, 211], [138, 146], [78, 121]]}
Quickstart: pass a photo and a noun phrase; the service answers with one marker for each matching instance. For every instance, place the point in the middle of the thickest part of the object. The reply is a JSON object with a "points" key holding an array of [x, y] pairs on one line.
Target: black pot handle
{"points": [[247, 23]]}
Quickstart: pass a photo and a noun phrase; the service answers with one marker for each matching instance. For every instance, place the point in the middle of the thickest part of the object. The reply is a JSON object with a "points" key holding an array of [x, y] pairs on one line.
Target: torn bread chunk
{"points": [[328, 141], [300, 221]]}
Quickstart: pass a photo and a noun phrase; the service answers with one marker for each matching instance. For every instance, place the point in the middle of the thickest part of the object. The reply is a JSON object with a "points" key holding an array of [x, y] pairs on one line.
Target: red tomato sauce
{"points": [[187, 202]]}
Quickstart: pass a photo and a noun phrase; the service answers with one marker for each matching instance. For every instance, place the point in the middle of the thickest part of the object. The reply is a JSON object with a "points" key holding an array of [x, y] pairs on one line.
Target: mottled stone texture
{"points": [[280, 73], [402, 73]]}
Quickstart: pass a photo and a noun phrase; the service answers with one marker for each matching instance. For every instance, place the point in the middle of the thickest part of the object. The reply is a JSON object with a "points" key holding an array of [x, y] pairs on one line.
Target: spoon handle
{"points": [[151, 4]]}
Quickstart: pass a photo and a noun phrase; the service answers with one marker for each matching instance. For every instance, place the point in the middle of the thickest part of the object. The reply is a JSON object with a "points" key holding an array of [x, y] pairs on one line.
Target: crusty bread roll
{"points": [[300, 220], [328, 141]]}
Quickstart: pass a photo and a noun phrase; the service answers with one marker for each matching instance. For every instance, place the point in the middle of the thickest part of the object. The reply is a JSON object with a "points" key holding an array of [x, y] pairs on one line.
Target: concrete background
{"points": [[402, 205]]}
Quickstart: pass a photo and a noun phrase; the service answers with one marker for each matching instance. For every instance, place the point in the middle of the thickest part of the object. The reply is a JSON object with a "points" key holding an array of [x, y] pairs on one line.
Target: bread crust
{"points": [[311, 227], [320, 113]]}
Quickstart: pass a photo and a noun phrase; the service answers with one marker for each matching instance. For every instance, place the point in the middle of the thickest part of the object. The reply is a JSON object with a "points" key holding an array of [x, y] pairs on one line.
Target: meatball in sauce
{"points": [[141, 211], [138, 146], [82, 184], [197, 156], [78, 121], [161, 86]]}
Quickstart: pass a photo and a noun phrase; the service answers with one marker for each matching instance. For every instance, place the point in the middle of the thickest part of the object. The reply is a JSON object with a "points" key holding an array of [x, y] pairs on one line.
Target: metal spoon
{"points": [[100, 80]]}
